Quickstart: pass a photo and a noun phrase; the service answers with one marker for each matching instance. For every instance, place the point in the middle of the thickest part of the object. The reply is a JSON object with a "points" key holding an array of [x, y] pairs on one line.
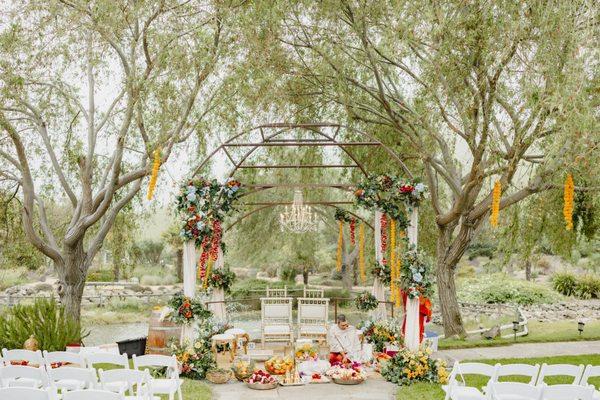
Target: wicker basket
{"points": [[218, 376]]}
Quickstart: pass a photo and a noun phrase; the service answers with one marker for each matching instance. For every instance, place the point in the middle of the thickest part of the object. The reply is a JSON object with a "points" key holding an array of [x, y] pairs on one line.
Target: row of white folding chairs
{"points": [[170, 385], [524, 391], [457, 389]]}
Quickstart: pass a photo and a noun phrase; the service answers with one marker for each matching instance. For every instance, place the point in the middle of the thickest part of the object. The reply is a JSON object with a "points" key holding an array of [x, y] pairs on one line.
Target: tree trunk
{"points": [[179, 264], [305, 275], [72, 276], [452, 320], [116, 270], [528, 269]]}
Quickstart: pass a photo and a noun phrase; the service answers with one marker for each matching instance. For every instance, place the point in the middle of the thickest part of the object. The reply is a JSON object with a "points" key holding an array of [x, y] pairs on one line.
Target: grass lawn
{"points": [[539, 332], [428, 391]]}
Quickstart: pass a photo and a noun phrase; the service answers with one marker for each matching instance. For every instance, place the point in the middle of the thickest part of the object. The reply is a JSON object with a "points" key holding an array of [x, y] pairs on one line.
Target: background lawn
{"points": [[428, 391]]}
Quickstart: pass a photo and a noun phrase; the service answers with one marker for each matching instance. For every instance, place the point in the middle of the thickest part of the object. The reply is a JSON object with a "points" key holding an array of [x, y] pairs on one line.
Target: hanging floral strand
{"points": [[203, 258], [497, 192], [154, 176], [393, 259], [383, 221], [338, 264], [398, 266], [209, 265], [216, 240], [361, 252], [568, 197], [352, 231]]}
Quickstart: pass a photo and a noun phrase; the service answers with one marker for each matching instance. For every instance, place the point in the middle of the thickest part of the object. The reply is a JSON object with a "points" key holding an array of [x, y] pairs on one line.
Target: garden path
{"points": [[523, 350]]}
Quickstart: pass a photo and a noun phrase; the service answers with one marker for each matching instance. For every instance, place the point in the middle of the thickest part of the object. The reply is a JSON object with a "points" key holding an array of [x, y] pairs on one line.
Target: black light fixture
{"points": [[516, 325], [580, 326]]}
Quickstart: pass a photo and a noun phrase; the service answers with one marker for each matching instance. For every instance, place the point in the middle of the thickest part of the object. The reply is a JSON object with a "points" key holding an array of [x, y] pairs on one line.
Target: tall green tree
{"points": [[88, 92], [477, 91]]}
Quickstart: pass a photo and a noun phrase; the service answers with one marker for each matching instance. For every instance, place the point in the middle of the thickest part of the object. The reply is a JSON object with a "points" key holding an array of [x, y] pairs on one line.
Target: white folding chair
{"points": [[169, 385], [32, 358], [574, 371], [313, 314], [91, 395], [55, 359], [120, 360], [526, 370], [457, 390], [591, 371], [515, 391], [276, 316], [23, 376], [24, 393], [72, 378], [567, 392], [138, 383]]}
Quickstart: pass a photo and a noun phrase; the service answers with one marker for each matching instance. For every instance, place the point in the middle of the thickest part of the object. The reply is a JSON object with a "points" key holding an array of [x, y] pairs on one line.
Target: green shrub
{"points": [[564, 283], [101, 275], [288, 274], [498, 288], [480, 250], [588, 287], [44, 319], [155, 280], [339, 293]]}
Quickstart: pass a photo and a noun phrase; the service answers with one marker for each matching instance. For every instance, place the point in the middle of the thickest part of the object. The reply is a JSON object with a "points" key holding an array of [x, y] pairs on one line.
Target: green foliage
{"points": [[288, 273], [480, 249], [365, 301], [340, 293], [44, 319], [148, 252], [583, 287], [101, 275], [498, 288]]}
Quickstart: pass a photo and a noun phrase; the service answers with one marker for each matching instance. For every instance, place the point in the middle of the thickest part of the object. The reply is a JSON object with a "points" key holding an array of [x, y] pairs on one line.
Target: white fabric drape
{"points": [[189, 285], [411, 335], [378, 287], [218, 309]]}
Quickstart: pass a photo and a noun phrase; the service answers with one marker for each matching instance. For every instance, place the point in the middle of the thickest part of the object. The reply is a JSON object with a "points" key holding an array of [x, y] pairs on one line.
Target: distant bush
{"points": [[155, 280], [339, 293], [564, 283], [583, 287], [480, 250], [498, 288], [288, 273], [45, 319], [101, 275], [465, 271], [12, 277]]}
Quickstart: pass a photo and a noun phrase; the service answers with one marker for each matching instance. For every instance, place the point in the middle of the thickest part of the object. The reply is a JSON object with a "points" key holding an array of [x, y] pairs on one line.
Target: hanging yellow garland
{"points": [[208, 271], [398, 265], [497, 192], [569, 196], [154, 176], [338, 264], [361, 252], [392, 259]]}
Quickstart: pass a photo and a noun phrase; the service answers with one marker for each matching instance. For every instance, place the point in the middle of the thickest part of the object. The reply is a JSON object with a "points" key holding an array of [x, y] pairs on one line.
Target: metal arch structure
{"points": [[273, 139]]}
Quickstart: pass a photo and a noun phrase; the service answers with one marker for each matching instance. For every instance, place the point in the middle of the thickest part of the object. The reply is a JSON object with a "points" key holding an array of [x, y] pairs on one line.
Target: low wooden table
{"points": [[239, 334], [224, 339]]}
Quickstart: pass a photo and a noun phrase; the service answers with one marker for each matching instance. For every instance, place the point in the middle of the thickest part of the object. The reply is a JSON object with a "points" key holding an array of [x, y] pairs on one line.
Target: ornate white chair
{"points": [[312, 293], [277, 292], [313, 318], [276, 316]]}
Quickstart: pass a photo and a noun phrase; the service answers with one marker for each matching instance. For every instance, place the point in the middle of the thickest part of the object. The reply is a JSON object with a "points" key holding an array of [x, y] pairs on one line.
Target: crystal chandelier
{"points": [[298, 218]]}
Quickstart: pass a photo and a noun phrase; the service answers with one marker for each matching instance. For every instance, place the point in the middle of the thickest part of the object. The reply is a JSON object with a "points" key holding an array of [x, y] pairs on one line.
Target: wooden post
{"points": [[335, 306]]}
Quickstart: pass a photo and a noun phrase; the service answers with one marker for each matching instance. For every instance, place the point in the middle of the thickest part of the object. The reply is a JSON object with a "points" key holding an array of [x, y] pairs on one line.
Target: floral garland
{"points": [[154, 176], [406, 368], [343, 216], [361, 253], [221, 279], [187, 310], [387, 194], [568, 197], [195, 359], [381, 271], [366, 301], [415, 274], [496, 194], [202, 205]]}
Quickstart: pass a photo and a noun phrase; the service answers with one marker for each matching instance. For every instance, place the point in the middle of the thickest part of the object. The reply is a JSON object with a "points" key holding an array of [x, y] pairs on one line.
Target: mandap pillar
{"points": [[189, 285], [378, 287], [412, 331], [218, 309]]}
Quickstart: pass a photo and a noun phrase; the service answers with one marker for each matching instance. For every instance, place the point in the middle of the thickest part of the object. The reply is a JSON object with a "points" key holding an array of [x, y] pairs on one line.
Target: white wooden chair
{"points": [[169, 385], [72, 378], [312, 293], [24, 393], [91, 395], [567, 392], [313, 315], [276, 316], [515, 391], [138, 383], [33, 358], [591, 372], [457, 390], [23, 376], [277, 292], [574, 371], [527, 370], [54, 359]]}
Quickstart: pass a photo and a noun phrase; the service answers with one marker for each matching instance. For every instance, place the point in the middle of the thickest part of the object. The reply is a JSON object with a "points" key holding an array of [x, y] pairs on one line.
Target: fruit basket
{"points": [[347, 375], [242, 368], [261, 380], [278, 365], [218, 375], [340, 381]]}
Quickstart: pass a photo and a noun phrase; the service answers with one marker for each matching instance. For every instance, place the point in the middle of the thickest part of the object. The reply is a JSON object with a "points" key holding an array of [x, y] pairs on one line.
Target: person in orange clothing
{"points": [[424, 314]]}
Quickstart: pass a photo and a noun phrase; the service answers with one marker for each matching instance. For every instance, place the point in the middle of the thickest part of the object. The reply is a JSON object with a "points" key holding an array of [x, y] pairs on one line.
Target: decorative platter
{"points": [[347, 381]]}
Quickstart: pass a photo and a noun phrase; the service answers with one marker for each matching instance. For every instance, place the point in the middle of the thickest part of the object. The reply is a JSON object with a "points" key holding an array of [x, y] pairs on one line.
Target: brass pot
{"points": [[31, 344]]}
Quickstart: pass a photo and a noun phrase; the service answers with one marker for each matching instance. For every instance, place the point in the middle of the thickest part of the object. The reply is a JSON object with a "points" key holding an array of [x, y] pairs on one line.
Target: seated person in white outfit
{"points": [[344, 346]]}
